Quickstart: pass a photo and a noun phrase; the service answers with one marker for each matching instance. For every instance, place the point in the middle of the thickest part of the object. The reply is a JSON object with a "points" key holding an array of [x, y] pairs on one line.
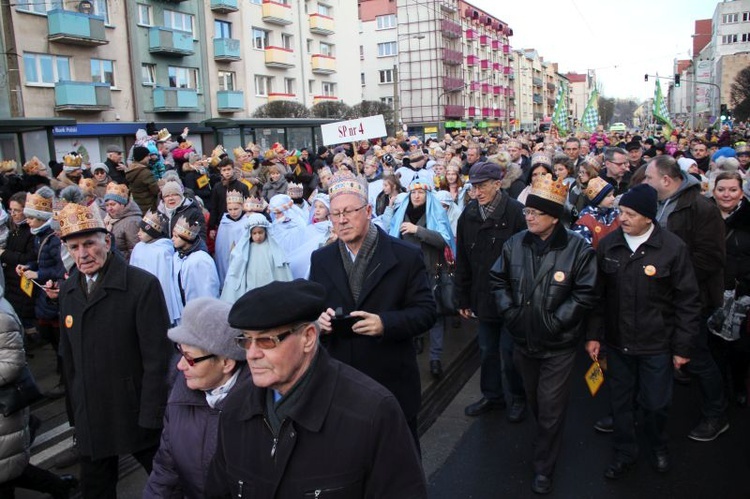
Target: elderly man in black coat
{"points": [[115, 353], [381, 283]]}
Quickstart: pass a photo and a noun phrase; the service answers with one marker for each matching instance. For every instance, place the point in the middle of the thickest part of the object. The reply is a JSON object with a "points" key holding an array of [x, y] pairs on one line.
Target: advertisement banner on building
{"points": [[703, 93]]}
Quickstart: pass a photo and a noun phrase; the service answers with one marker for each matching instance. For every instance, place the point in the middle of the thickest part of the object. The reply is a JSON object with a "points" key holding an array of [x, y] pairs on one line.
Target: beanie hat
{"points": [[139, 153], [204, 325], [642, 198], [100, 166], [171, 187], [118, 193], [598, 189]]}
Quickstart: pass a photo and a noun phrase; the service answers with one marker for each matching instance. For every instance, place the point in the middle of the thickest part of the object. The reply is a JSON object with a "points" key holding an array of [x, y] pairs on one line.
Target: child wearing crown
{"points": [[230, 231]]}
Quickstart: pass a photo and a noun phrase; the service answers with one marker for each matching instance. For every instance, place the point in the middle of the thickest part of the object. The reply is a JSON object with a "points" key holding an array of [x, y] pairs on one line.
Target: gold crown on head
{"points": [[541, 158], [120, 190], [38, 203], [515, 143], [344, 182], [294, 191], [254, 205], [235, 197], [8, 165], [238, 152], [552, 190], [741, 148], [185, 230], [74, 218], [72, 160], [33, 166], [152, 221], [87, 185], [594, 187], [163, 135]]}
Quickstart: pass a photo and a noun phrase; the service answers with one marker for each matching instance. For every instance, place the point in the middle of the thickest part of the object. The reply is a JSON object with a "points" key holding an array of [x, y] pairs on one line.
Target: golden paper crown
{"points": [[594, 187], [540, 158], [741, 148], [87, 185], [33, 166], [294, 191], [38, 203], [119, 190], [8, 165], [515, 143], [235, 197], [344, 182], [238, 152], [163, 135], [72, 160], [75, 218], [185, 230], [216, 155], [254, 205], [152, 221], [552, 190]]}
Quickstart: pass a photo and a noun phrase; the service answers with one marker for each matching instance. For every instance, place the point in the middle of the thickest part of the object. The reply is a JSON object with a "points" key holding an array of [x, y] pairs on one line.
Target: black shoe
{"points": [[419, 344], [65, 485], [541, 484], [436, 369], [484, 405], [617, 469], [708, 429], [605, 424], [517, 411], [660, 461], [681, 377]]}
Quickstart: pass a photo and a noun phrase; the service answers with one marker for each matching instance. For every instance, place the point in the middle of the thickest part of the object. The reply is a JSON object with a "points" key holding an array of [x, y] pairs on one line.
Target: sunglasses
{"points": [[265, 342], [190, 360]]}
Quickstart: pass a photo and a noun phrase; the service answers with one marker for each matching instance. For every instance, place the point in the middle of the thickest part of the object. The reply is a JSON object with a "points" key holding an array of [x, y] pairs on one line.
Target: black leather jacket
{"points": [[544, 299]]}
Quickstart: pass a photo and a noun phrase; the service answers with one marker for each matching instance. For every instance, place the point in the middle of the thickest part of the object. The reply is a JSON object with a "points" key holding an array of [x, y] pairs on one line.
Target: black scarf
{"points": [[278, 411], [415, 213]]}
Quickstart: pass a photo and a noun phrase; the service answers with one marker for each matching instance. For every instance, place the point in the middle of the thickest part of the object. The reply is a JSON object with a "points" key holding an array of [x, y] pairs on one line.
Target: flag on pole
{"points": [[660, 111], [560, 115], [590, 118]]}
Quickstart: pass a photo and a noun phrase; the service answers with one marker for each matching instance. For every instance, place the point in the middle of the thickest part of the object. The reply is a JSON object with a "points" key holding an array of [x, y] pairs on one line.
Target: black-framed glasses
{"points": [[528, 212], [347, 212], [265, 342], [190, 360]]}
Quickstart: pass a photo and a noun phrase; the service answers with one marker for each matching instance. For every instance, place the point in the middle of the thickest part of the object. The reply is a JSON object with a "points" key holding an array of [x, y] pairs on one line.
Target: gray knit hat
{"points": [[204, 325]]}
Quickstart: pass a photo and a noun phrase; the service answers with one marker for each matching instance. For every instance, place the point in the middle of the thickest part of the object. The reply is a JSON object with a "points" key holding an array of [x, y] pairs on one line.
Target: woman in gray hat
{"points": [[212, 366]]}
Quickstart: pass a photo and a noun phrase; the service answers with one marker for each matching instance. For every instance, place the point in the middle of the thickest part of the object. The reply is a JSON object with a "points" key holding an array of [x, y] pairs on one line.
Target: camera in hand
{"points": [[342, 323]]}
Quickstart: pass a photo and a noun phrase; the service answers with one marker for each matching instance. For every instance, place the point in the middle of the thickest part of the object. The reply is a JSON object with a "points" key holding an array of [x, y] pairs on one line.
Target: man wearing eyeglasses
{"points": [[310, 426], [616, 169], [115, 164], [381, 283]]}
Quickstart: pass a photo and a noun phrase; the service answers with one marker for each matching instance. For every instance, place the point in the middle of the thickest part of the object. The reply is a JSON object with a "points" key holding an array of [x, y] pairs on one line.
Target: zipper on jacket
{"points": [[275, 438]]}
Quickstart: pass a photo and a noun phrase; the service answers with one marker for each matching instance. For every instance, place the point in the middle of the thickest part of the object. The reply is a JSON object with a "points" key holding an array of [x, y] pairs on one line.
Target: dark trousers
{"points": [[648, 377], [704, 368], [37, 479], [99, 476], [547, 384], [496, 351]]}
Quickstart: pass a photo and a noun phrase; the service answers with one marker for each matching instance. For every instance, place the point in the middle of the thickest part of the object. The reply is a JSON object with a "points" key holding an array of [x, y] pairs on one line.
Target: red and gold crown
{"points": [[344, 182], [119, 190], [75, 218], [257, 205], [87, 185], [235, 197], [185, 230], [552, 190], [294, 191], [418, 183], [38, 203], [515, 143], [72, 160], [33, 166]]}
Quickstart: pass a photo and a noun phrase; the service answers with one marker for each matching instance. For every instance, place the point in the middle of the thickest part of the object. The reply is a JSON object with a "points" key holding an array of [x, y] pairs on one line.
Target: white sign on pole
{"points": [[370, 127]]}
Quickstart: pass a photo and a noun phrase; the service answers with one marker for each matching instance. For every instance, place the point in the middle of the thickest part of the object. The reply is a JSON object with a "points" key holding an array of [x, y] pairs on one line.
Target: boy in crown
{"points": [[545, 284], [230, 181], [230, 231]]}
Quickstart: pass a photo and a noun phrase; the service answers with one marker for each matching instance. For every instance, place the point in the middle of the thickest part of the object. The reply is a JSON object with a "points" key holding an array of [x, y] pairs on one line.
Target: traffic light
{"points": [[724, 112], [677, 79], [645, 77]]}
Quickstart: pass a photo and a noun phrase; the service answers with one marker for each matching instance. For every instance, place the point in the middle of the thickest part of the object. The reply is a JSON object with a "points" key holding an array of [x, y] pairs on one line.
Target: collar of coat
{"points": [[113, 277], [558, 238], [497, 213]]}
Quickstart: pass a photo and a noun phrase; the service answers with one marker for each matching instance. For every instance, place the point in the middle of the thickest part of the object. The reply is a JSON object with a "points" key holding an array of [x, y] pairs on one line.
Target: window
{"points": [[39, 6], [45, 69], [361, 52], [325, 10], [103, 71], [181, 77], [386, 76], [310, 86], [730, 18], [727, 39], [144, 15], [386, 22], [226, 80], [309, 45], [222, 29], [289, 86], [387, 100], [148, 74], [257, 2], [100, 9], [387, 49], [286, 41], [263, 85], [178, 21], [362, 78], [260, 38], [329, 89], [326, 49], [745, 16], [746, 37]]}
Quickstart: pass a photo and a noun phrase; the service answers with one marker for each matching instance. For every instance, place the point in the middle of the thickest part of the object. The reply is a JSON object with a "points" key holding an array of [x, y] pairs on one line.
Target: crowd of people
{"points": [[298, 288]]}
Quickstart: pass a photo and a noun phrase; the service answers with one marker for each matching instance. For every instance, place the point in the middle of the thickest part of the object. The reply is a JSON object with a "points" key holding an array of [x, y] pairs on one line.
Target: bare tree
{"points": [[606, 109], [740, 95]]}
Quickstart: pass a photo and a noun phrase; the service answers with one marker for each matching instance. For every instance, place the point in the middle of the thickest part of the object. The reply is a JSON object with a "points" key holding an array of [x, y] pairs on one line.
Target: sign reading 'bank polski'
{"points": [[371, 127]]}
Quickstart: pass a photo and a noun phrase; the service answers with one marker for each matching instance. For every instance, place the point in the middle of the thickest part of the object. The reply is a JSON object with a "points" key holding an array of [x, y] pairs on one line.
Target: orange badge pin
{"points": [[597, 229], [649, 270], [559, 276], [68, 321]]}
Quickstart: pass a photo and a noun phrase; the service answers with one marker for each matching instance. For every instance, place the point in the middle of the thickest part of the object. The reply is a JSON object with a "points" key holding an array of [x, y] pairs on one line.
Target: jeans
{"points": [[496, 350], [648, 377], [703, 367], [436, 339]]}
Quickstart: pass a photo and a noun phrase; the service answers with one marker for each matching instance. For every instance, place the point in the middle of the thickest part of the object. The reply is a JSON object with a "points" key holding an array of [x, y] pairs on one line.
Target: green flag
{"points": [[590, 118], [560, 115]]}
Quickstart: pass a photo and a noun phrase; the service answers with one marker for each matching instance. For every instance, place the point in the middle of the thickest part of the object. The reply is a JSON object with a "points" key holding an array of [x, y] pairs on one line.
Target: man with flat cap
{"points": [[115, 353], [309, 425]]}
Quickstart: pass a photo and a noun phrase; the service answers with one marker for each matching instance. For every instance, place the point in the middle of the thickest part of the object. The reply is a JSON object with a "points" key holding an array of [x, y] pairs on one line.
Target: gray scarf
{"points": [[355, 270]]}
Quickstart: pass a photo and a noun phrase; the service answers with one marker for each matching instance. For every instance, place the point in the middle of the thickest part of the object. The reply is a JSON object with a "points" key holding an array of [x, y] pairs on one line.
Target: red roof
{"points": [[576, 78]]}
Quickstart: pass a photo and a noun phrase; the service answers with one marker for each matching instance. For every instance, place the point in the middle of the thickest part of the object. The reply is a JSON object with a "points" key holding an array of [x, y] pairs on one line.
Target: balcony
{"points": [[506, 49], [226, 49], [474, 86], [230, 101], [495, 44], [538, 116], [452, 57], [224, 6], [472, 60], [498, 113], [175, 100], [277, 96], [537, 98], [506, 70], [486, 88], [484, 40], [471, 35], [322, 25], [450, 29], [82, 96], [169, 42], [497, 90], [279, 57], [451, 84], [550, 86], [536, 81], [472, 112], [74, 28], [496, 66], [323, 64], [486, 112], [277, 13], [317, 99], [448, 7], [484, 64], [454, 111]]}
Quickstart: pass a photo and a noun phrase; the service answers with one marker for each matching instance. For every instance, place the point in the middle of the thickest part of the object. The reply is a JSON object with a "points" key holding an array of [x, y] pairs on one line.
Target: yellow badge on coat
{"points": [[649, 270], [597, 229], [68, 321], [559, 276]]}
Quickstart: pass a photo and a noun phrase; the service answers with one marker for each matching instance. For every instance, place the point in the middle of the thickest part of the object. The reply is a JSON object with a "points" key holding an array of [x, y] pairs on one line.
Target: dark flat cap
{"points": [[482, 171], [278, 304], [114, 148]]}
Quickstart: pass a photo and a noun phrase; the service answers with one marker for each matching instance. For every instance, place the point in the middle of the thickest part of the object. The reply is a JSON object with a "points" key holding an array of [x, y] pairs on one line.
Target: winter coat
{"points": [[737, 270], [49, 265], [14, 429], [596, 222], [115, 357], [18, 251], [188, 209], [143, 186], [115, 174], [478, 244], [649, 299], [545, 300], [513, 182], [62, 181], [313, 454], [181, 466], [124, 229], [270, 188]]}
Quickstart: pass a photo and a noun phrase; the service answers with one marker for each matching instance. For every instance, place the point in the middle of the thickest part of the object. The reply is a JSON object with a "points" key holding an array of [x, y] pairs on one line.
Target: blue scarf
{"points": [[437, 220]]}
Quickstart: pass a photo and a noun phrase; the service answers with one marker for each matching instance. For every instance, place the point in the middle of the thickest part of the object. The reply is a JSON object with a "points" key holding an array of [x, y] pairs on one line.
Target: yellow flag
{"points": [[594, 378], [202, 181], [27, 286], [247, 183]]}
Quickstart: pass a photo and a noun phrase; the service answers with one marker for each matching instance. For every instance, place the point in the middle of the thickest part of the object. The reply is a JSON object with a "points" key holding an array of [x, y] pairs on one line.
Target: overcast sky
{"points": [[622, 41]]}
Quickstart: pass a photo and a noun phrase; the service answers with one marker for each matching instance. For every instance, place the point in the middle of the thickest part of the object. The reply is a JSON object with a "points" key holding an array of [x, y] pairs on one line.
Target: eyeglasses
{"points": [[618, 164], [528, 212], [347, 212], [265, 342], [191, 361]]}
